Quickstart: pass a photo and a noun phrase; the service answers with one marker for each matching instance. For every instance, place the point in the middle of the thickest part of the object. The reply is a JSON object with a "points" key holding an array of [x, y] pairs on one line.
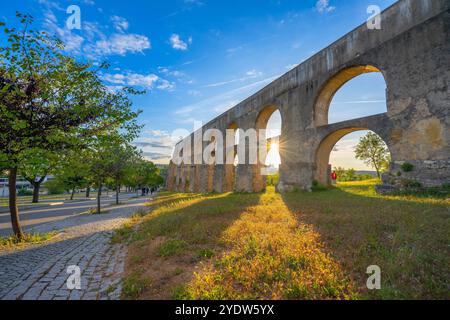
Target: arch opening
{"points": [[269, 120], [338, 152], [352, 93]]}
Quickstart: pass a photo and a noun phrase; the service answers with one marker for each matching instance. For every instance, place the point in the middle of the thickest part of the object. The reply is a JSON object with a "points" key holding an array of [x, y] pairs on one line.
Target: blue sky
{"points": [[198, 58]]}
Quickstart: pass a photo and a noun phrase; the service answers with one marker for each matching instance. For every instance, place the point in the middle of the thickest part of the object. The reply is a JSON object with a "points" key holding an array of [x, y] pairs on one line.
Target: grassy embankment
{"points": [[294, 246]]}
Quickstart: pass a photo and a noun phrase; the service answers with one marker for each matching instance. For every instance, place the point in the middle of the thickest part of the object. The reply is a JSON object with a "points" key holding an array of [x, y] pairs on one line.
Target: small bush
{"points": [[407, 167], [24, 192]]}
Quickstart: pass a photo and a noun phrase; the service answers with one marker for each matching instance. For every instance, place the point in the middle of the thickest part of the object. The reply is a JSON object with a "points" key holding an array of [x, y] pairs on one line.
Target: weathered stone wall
{"points": [[411, 51]]}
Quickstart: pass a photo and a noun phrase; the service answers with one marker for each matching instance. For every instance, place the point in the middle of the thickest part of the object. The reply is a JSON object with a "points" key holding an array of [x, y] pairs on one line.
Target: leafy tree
{"points": [[73, 172], [121, 157], [35, 165], [48, 101], [345, 175], [373, 151]]}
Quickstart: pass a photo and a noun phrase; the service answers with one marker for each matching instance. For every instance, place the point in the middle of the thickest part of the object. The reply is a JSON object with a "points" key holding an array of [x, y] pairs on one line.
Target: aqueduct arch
{"points": [[329, 89], [411, 51], [322, 174]]}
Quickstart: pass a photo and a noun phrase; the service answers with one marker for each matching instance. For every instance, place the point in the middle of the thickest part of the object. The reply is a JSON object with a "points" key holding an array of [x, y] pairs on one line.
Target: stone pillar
{"points": [[196, 175], [171, 176], [206, 178], [191, 186], [229, 178], [244, 178], [178, 179], [219, 174], [259, 177]]}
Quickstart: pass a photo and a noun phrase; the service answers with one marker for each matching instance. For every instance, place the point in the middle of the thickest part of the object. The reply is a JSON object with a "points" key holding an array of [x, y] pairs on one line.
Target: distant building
{"points": [[21, 183]]}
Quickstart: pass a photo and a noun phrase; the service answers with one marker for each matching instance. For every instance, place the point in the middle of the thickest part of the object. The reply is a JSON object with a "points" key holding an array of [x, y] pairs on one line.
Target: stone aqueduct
{"points": [[412, 51]]}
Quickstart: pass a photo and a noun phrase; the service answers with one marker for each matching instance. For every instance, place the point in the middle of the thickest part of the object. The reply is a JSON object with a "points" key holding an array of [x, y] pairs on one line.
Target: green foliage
{"points": [[407, 167], [373, 151], [316, 186], [272, 179], [344, 175], [54, 187], [52, 104], [411, 184], [11, 242], [171, 247], [205, 253], [134, 285], [24, 192]]}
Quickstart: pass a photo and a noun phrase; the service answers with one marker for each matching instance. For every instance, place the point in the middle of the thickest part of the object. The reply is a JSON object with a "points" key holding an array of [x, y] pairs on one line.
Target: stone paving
{"points": [[40, 272]]}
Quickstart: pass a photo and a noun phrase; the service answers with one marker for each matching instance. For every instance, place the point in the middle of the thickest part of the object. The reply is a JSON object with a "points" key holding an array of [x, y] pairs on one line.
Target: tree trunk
{"points": [[88, 192], [72, 194], [13, 208], [117, 194], [36, 187], [99, 194]]}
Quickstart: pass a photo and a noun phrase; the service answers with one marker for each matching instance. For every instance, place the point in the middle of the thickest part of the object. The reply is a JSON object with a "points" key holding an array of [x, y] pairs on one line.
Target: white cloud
{"points": [[131, 79], [165, 85], [121, 44], [72, 41], [120, 24], [157, 146], [177, 43], [91, 41], [323, 6]]}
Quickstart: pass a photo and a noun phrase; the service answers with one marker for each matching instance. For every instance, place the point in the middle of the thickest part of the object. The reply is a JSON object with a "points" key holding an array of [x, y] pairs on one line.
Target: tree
{"points": [[73, 171], [373, 151], [121, 159], [48, 101], [35, 165]]}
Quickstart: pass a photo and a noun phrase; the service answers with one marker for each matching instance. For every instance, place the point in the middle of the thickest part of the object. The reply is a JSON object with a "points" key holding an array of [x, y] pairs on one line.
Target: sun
{"points": [[273, 156]]}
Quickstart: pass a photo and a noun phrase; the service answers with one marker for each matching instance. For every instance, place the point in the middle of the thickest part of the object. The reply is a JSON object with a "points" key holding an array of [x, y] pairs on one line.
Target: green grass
{"points": [[133, 285], [298, 245], [12, 242], [171, 247]]}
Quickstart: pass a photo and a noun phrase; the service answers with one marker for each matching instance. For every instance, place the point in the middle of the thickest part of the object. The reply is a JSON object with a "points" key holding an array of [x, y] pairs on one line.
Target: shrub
{"points": [[411, 184], [407, 167], [24, 192]]}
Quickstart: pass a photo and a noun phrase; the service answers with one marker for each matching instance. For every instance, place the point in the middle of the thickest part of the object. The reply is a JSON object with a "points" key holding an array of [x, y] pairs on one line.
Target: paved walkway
{"points": [[40, 272]]}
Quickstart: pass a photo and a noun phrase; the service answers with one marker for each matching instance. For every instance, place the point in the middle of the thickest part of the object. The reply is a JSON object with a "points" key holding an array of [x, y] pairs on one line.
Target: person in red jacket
{"points": [[333, 177]]}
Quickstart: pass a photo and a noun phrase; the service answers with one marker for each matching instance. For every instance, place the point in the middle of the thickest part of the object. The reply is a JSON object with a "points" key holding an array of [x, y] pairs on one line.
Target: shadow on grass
{"points": [[183, 232], [407, 238]]}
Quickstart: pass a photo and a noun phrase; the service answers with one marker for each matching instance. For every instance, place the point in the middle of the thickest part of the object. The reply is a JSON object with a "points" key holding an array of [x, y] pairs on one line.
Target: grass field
{"points": [[294, 246]]}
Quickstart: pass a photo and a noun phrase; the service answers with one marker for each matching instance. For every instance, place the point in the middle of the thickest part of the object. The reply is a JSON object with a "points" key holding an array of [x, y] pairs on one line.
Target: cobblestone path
{"points": [[41, 272]]}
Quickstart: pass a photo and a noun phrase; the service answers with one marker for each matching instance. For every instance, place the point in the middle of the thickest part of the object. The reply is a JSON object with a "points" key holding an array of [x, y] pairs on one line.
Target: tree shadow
{"points": [[172, 244], [408, 239]]}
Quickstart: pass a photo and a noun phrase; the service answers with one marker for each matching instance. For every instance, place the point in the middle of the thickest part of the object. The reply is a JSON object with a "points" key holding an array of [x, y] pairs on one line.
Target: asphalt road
{"points": [[32, 217]]}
